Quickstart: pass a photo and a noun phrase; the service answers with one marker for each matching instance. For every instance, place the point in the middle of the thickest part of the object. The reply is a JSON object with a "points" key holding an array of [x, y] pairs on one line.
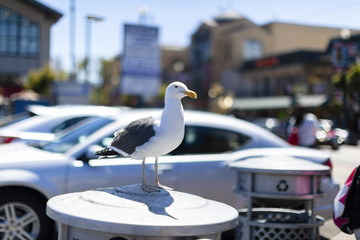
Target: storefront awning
{"points": [[281, 102]]}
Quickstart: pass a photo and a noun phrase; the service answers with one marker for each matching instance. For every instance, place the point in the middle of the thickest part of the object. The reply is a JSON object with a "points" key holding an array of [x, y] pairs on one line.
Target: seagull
{"points": [[151, 137]]}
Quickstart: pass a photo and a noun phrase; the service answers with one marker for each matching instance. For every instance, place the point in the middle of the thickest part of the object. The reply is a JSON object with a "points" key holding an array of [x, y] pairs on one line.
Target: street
{"points": [[344, 160]]}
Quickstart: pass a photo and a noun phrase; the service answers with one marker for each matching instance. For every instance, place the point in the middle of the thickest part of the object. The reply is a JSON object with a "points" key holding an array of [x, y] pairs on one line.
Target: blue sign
{"points": [[141, 65], [344, 53]]}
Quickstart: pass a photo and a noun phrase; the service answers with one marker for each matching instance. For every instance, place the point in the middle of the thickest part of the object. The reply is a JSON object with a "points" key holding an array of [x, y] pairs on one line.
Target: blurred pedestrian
{"points": [[305, 125]]}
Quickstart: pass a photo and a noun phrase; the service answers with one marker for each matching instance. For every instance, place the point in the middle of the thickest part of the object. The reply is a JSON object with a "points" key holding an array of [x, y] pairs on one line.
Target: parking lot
{"points": [[210, 144], [344, 160]]}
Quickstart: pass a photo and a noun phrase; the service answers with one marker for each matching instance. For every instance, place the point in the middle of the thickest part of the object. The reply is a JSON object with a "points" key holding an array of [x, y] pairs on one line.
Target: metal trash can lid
{"points": [[129, 210], [280, 164]]}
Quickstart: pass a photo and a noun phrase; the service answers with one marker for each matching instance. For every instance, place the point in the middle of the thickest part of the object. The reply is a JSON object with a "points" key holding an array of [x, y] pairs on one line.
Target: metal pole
{"points": [[87, 49], [344, 101], [345, 35], [72, 41], [89, 19]]}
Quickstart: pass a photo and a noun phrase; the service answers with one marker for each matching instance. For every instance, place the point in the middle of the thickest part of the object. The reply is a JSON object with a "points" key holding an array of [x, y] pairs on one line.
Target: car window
{"points": [[78, 135], [67, 123], [104, 143], [201, 140], [205, 140], [11, 119]]}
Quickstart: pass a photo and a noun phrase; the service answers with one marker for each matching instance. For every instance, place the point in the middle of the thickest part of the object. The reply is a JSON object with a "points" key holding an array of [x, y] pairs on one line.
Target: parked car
{"points": [[35, 110], [29, 175], [274, 125], [50, 120], [327, 135], [13, 118]]}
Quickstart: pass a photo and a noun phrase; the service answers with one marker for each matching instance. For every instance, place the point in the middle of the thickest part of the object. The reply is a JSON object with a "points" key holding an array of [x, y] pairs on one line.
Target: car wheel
{"points": [[334, 144], [22, 216]]}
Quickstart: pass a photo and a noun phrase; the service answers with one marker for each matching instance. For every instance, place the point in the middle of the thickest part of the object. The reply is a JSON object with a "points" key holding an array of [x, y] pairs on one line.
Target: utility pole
{"points": [[72, 41], [89, 20]]}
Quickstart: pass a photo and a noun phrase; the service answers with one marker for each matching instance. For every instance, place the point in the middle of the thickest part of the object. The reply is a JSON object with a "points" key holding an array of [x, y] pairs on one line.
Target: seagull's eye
{"points": [[176, 86]]}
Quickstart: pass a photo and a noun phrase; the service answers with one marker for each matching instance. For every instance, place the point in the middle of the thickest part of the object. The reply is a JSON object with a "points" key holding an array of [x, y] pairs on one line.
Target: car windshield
{"points": [[11, 119], [77, 135]]}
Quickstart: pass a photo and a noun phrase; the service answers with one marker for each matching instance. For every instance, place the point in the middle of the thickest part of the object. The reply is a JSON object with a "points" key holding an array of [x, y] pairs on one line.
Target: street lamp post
{"points": [[344, 52], [89, 20], [72, 41], [340, 61], [345, 35]]}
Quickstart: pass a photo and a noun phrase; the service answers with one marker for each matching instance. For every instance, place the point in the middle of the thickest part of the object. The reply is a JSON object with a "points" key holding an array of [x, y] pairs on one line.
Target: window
{"points": [[19, 36], [67, 123], [205, 140], [228, 51], [77, 135], [252, 50]]}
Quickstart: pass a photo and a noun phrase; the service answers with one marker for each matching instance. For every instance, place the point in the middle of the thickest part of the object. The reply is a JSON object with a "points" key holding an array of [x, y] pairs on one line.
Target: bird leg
{"points": [[145, 186], [157, 181]]}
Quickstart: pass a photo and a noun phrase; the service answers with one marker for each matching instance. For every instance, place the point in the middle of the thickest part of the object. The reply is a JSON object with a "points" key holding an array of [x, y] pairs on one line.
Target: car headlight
{"points": [[320, 135]]}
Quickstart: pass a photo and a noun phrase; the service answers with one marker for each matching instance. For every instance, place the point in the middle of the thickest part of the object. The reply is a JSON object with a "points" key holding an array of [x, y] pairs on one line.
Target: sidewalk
{"points": [[330, 231]]}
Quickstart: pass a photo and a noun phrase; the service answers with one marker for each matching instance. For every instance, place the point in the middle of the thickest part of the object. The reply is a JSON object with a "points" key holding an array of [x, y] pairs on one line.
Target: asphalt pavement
{"points": [[330, 231]]}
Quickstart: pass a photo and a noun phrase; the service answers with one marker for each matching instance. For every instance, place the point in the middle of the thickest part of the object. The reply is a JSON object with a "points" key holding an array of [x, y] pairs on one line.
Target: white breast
{"points": [[168, 135]]}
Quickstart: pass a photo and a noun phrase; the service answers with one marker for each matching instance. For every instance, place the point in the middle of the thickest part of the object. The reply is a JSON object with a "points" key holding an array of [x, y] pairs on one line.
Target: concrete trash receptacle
{"points": [[127, 212]]}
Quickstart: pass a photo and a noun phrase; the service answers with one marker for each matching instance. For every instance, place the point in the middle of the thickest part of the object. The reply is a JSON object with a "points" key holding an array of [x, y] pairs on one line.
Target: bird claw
{"points": [[149, 188], [159, 185]]}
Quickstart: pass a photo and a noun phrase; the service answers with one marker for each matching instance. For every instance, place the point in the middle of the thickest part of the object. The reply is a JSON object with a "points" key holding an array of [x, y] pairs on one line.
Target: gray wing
{"points": [[133, 135]]}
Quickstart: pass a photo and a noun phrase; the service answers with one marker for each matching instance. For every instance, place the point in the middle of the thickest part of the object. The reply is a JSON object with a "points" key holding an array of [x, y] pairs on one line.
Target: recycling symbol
{"points": [[282, 186]]}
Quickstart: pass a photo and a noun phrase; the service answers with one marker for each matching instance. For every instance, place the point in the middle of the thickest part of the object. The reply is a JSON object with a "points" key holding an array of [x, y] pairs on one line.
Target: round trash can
{"points": [[277, 224], [286, 189], [127, 212]]}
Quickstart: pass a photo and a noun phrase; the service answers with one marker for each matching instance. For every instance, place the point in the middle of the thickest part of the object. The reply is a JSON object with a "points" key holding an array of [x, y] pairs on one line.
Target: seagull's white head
{"points": [[179, 90]]}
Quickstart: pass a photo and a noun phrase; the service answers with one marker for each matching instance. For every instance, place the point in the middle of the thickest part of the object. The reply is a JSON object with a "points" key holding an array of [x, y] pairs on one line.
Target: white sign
{"points": [[141, 66]]}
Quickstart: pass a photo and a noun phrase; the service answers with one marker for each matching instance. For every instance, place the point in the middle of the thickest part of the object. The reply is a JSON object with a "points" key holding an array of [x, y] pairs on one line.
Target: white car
{"points": [[51, 120], [29, 176]]}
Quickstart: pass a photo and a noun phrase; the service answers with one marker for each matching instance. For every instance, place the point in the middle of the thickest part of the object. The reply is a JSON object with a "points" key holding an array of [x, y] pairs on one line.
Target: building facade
{"points": [[298, 72], [260, 60], [24, 39], [175, 64]]}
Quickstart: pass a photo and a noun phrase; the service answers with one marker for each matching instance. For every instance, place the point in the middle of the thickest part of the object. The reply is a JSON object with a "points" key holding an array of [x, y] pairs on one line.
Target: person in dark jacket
{"points": [[354, 210]]}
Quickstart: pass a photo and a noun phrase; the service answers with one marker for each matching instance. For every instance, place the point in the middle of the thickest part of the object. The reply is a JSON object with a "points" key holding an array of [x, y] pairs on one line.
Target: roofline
{"points": [[55, 15], [307, 25]]}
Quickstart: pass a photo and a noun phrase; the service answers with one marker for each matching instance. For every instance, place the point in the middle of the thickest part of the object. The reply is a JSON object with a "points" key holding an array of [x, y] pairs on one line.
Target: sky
{"points": [[179, 19]]}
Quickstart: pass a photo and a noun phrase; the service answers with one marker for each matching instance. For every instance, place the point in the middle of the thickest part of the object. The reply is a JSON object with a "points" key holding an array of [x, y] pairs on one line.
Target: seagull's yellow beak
{"points": [[191, 94]]}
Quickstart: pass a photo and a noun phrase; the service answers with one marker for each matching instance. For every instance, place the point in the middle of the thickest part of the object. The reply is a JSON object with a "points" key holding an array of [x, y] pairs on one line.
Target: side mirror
{"points": [[90, 152]]}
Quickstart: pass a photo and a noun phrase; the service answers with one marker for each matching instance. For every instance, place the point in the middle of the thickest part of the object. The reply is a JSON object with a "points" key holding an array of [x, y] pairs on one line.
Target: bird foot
{"points": [[149, 188], [159, 185]]}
